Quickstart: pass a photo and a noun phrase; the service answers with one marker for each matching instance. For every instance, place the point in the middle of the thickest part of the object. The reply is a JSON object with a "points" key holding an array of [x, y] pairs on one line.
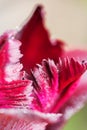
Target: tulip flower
{"points": [[40, 85]]}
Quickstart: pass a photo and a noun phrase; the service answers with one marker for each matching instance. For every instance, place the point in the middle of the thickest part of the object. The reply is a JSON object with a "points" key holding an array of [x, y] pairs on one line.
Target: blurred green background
{"points": [[78, 121]]}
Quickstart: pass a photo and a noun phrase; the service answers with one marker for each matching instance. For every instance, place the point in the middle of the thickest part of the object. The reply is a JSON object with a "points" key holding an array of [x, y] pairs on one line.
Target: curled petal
{"points": [[36, 42]]}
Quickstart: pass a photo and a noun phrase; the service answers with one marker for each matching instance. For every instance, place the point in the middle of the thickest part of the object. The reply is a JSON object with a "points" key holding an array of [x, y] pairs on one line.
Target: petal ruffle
{"points": [[45, 85], [15, 119], [70, 71], [36, 42], [58, 82]]}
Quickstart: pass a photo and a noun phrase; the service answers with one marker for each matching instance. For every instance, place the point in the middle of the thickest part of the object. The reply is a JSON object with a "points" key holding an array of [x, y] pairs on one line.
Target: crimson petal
{"points": [[70, 71], [77, 100], [36, 43]]}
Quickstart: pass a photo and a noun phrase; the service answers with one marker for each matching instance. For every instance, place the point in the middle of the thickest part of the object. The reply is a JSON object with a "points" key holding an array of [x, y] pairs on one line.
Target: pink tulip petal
{"points": [[8, 122], [15, 89], [79, 97], [77, 54], [34, 101], [70, 72], [45, 84], [16, 94], [77, 100], [36, 43], [15, 119], [9, 58], [50, 81]]}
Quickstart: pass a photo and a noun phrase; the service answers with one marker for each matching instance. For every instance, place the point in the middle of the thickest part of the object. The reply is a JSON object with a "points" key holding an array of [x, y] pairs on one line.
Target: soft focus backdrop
{"points": [[66, 20]]}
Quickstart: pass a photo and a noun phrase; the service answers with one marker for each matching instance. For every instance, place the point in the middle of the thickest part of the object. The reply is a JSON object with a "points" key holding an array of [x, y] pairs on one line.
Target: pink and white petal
{"points": [[9, 58], [16, 94], [14, 119], [36, 42], [13, 123], [45, 84]]}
